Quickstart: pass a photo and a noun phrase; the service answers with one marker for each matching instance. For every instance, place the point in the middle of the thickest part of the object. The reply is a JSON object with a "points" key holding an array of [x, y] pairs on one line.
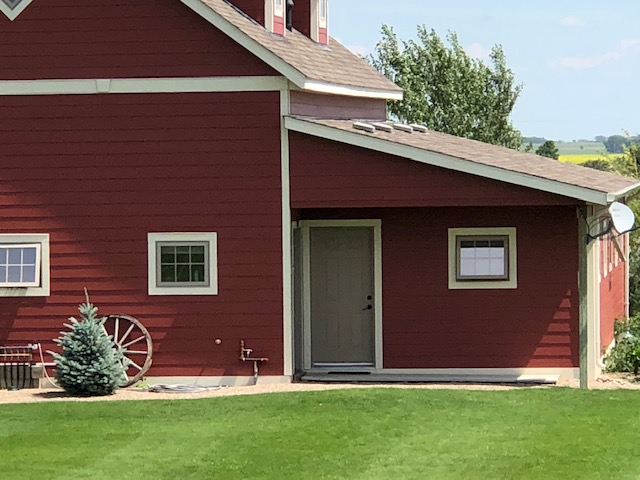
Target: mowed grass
{"points": [[351, 434], [581, 158]]}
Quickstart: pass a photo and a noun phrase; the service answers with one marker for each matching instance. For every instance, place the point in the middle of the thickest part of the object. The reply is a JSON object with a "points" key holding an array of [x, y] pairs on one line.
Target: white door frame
{"points": [[306, 226]]}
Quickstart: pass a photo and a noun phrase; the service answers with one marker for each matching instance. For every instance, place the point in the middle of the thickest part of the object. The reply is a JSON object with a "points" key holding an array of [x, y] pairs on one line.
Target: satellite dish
{"points": [[622, 217]]}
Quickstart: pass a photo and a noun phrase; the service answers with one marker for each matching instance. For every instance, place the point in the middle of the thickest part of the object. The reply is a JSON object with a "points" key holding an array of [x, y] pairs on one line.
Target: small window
{"points": [[24, 265], [482, 258], [13, 8], [183, 264], [323, 13], [278, 8]]}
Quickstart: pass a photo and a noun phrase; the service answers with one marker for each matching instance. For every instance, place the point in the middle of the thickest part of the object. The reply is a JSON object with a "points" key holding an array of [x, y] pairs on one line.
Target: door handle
{"points": [[368, 307]]}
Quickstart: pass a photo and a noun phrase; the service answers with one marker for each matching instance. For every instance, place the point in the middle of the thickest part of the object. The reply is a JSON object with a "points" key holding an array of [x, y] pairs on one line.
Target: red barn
{"points": [[200, 166]]}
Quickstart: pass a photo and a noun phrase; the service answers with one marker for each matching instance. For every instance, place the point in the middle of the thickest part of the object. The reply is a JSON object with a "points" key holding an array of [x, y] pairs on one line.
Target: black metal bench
{"points": [[17, 367]]}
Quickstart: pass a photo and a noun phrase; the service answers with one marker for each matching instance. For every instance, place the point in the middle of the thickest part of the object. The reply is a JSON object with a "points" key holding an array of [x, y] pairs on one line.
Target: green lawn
{"points": [[354, 434]]}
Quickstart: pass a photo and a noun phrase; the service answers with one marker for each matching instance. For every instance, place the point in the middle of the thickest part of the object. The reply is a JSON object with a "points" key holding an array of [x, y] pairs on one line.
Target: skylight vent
{"points": [[365, 127], [419, 128], [403, 127], [385, 127]]}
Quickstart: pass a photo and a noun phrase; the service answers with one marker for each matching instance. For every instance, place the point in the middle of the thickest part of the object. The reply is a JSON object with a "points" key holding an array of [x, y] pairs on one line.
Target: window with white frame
{"points": [[24, 265], [278, 8], [482, 258], [183, 263], [322, 17]]}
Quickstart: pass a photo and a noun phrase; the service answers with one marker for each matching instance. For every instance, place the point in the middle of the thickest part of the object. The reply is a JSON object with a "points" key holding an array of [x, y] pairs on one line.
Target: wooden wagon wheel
{"points": [[135, 343]]}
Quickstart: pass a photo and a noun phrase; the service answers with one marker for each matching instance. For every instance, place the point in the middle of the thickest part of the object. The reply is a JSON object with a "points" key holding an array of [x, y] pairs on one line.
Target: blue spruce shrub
{"points": [[90, 363]]}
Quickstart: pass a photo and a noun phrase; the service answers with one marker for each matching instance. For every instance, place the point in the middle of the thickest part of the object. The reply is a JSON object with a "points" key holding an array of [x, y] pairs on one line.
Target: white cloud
{"points": [[593, 61], [572, 21], [478, 51]]}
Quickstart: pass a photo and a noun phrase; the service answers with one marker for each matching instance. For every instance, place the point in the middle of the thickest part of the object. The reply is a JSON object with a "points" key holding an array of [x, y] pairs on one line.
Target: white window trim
{"points": [[43, 289], [152, 273], [510, 283], [12, 13]]}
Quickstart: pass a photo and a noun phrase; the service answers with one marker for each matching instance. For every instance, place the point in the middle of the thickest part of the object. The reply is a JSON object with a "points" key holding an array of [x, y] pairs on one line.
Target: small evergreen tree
{"points": [[90, 364]]}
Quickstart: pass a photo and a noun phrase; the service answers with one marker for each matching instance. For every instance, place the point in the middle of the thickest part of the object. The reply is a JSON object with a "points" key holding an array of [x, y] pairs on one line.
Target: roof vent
{"points": [[403, 127], [385, 127], [365, 127], [419, 128]]}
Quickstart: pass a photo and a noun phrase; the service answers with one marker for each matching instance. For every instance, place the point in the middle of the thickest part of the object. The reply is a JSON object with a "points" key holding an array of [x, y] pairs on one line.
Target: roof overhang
{"points": [[292, 74], [359, 139]]}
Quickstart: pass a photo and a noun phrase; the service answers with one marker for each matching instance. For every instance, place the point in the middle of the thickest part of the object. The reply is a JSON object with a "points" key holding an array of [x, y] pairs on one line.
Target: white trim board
{"points": [[451, 163], [90, 86], [305, 226], [296, 77], [12, 13]]}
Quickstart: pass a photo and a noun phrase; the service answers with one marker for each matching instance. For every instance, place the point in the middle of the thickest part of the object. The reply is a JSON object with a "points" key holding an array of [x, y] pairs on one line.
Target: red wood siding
{"points": [[253, 8], [326, 174], [278, 25], [337, 107], [302, 17], [99, 172], [323, 36], [426, 325], [612, 290], [98, 39]]}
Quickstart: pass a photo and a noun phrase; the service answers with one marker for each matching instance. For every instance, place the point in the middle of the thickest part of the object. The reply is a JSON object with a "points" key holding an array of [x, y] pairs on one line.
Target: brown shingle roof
{"points": [[333, 64], [604, 187]]}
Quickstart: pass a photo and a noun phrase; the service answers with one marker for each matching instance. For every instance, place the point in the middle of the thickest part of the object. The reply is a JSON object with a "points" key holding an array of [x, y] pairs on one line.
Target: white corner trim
{"points": [[351, 91], [141, 85], [287, 241], [44, 290], [305, 226], [246, 41], [12, 13], [511, 283], [445, 161], [210, 237]]}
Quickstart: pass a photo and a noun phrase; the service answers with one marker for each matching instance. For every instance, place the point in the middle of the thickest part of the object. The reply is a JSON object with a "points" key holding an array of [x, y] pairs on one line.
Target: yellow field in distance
{"points": [[583, 157]]}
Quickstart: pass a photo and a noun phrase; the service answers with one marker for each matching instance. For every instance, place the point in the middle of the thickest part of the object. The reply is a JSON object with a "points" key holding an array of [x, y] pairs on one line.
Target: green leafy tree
{"points": [[447, 90], [548, 149], [90, 364]]}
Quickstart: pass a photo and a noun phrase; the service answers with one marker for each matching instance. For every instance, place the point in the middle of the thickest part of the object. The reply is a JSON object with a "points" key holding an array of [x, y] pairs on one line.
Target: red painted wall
{"points": [[99, 172], [98, 39], [612, 290], [337, 107], [328, 174], [302, 17], [426, 325], [253, 8]]}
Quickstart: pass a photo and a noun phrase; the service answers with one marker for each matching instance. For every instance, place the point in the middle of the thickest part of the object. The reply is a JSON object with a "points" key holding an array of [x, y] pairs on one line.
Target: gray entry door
{"points": [[342, 287]]}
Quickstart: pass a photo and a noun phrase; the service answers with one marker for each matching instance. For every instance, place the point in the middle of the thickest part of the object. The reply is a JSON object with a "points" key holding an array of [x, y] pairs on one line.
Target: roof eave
{"points": [[319, 86], [359, 139], [624, 193]]}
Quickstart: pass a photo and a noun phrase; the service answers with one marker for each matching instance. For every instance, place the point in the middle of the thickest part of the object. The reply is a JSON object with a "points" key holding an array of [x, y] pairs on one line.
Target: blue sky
{"points": [[579, 61]]}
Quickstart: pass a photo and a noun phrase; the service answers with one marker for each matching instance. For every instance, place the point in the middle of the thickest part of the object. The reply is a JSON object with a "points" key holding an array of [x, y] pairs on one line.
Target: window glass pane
{"points": [[168, 273], [29, 256], [15, 256], [497, 267], [467, 253], [482, 243], [167, 254], [467, 244], [182, 273], [497, 243], [482, 252], [182, 254], [467, 267], [3, 273], [197, 254], [29, 273], [14, 274], [483, 267], [198, 273], [3, 256]]}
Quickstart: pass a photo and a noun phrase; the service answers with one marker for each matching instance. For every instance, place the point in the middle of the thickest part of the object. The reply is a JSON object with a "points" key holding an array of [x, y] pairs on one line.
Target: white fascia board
{"points": [[627, 192], [445, 161], [12, 13], [246, 41], [142, 85], [351, 91]]}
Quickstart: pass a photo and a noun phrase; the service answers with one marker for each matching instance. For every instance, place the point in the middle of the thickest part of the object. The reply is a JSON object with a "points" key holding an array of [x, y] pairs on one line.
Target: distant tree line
{"points": [[618, 143]]}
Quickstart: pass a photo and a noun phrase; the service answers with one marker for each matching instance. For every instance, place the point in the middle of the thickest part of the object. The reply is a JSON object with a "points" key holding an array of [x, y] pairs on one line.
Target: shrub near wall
{"points": [[625, 355]]}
